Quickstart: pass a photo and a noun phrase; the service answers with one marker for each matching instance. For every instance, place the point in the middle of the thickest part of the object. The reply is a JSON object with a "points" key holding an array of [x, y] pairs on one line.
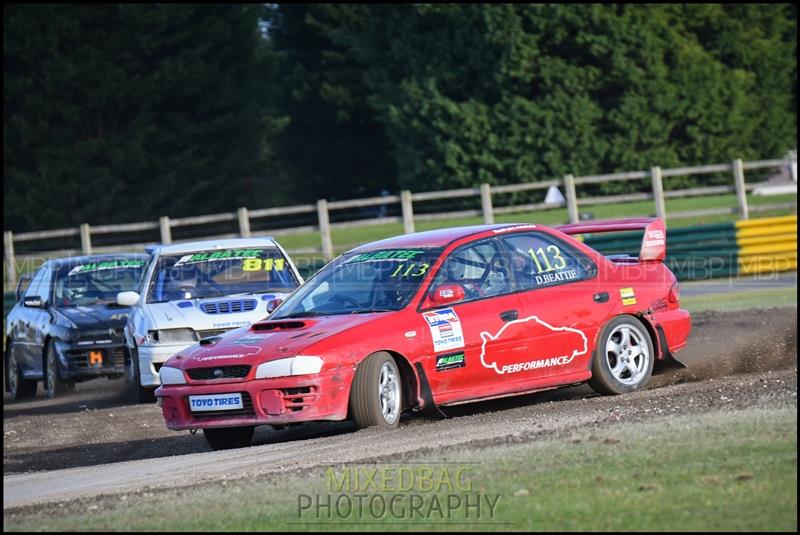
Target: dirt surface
{"points": [[60, 449]]}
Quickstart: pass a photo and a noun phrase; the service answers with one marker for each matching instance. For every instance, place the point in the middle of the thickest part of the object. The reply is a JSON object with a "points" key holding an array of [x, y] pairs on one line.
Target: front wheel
{"points": [[18, 386], [54, 384], [376, 393], [133, 380], [226, 438], [623, 360]]}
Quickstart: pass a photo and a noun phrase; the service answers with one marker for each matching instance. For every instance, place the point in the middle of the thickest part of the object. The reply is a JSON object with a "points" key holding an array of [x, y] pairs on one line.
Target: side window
{"points": [[480, 268], [539, 261], [33, 287]]}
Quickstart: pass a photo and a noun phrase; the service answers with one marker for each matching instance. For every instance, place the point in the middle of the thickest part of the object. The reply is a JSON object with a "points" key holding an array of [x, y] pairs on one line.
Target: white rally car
{"points": [[195, 290]]}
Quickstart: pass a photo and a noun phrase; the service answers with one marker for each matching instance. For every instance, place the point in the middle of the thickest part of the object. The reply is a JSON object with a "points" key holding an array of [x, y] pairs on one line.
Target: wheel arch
{"points": [[408, 376]]}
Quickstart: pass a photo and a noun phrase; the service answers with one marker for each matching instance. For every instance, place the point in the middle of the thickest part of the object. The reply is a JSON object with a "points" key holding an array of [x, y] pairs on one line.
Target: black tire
{"points": [[53, 383], [134, 381], [614, 351], [18, 386], [366, 396], [227, 438]]}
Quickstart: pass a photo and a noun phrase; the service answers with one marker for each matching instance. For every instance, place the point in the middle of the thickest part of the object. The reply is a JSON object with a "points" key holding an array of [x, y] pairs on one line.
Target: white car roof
{"points": [[206, 245]]}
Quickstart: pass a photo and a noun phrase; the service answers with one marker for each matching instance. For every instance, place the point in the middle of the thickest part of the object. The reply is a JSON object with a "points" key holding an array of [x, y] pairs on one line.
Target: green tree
{"points": [[126, 112]]}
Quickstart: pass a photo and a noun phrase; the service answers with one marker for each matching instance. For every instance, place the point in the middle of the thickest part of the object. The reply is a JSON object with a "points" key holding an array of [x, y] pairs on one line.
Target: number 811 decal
{"points": [[267, 264]]}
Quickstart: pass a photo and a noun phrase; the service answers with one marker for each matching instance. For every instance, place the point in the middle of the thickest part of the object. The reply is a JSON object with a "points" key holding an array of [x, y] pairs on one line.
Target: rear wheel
{"points": [[226, 438], [623, 360], [18, 386], [376, 394], [54, 384]]}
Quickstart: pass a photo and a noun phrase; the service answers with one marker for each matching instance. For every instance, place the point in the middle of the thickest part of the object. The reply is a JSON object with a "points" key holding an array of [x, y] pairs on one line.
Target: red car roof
{"points": [[429, 238]]}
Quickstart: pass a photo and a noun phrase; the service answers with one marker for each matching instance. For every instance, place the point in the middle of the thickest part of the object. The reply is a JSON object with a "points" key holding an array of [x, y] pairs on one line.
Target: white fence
{"points": [[568, 184]]}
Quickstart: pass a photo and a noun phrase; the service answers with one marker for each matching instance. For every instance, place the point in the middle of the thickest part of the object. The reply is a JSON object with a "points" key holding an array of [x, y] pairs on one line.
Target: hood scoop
{"points": [[277, 326]]}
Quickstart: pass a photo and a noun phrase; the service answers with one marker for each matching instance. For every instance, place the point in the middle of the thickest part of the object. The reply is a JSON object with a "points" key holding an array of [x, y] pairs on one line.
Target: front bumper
{"points": [[86, 362], [151, 358], [275, 401]]}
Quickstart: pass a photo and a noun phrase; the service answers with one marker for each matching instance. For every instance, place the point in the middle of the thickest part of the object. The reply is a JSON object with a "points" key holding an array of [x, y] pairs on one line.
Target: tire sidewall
{"points": [[600, 367], [52, 377], [13, 372]]}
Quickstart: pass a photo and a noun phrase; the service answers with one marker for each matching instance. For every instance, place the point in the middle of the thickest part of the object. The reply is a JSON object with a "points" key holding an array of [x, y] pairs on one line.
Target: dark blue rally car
{"points": [[66, 326]]}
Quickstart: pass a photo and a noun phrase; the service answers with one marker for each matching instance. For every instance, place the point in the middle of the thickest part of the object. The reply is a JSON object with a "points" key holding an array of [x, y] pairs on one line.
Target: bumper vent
{"points": [[218, 372], [229, 307]]}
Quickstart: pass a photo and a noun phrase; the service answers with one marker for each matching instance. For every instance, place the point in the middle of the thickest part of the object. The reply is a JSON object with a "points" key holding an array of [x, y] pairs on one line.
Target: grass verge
{"points": [[773, 297]]}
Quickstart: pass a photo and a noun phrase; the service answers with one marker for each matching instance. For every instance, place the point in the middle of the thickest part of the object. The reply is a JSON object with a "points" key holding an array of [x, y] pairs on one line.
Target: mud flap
{"points": [[668, 361], [429, 408]]}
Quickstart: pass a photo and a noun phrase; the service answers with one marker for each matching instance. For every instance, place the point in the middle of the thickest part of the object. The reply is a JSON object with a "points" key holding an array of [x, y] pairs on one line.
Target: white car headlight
{"points": [[172, 336], [171, 376], [299, 365]]}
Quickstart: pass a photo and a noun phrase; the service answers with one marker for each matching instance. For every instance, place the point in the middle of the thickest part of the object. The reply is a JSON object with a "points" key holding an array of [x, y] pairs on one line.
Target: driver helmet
{"points": [[75, 287]]}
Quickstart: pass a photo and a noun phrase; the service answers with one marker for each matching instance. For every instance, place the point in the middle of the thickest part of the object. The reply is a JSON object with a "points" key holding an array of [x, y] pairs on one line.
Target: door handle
{"points": [[509, 315], [600, 297]]}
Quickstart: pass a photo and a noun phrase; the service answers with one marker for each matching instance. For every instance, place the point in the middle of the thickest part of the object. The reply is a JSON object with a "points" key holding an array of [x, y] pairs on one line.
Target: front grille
{"points": [[228, 372], [228, 307], [112, 358], [246, 410], [211, 332]]}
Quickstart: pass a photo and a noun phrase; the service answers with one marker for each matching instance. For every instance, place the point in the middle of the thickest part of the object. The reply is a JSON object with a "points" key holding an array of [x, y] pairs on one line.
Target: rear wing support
{"points": [[654, 241]]}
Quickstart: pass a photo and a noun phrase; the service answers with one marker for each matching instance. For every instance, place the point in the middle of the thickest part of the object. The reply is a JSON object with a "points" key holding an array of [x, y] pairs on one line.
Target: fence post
{"points": [[166, 231], [408, 211], [572, 199], [486, 204], [11, 263], [244, 222], [741, 193], [658, 193], [86, 238], [325, 229]]}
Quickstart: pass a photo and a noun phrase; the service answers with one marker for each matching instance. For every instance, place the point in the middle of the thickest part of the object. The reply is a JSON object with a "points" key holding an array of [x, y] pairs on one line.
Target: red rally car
{"points": [[437, 318]]}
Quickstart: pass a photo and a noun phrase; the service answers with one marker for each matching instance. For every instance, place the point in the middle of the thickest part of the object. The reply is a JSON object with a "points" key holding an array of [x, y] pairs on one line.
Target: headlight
{"points": [[172, 336], [171, 376], [299, 365]]}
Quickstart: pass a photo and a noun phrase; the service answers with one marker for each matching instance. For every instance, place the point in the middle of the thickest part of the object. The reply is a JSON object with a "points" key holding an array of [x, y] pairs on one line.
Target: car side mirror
{"points": [[447, 293], [33, 301], [273, 304], [127, 299]]}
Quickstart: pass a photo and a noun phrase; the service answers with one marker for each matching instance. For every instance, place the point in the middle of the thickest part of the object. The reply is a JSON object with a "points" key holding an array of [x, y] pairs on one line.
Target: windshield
{"points": [[96, 282], [216, 273], [377, 281]]}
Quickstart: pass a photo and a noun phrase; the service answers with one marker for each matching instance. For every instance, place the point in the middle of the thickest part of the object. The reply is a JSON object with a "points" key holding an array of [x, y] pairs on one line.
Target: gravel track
{"points": [[97, 442]]}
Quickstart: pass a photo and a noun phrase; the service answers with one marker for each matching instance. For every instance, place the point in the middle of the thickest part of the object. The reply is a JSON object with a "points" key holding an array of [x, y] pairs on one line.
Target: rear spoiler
{"points": [[654, 242]]}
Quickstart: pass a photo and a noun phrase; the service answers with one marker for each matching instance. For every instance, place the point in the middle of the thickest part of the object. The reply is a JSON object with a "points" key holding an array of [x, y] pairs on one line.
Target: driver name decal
{"points": [[559, 351], [445, 329]]}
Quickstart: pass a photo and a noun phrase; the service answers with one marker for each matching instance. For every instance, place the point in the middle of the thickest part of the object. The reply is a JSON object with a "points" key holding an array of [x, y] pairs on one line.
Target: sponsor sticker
{"points": [[628, 296], [560, 350], [389, 254], [445, 329], [216, 402], [450, 361], [230, 254], [104, 266]]}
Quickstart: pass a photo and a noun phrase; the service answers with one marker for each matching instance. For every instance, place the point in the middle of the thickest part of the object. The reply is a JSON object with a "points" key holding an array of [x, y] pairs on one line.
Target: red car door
{"points": [[457, 364], [562, 307]]}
